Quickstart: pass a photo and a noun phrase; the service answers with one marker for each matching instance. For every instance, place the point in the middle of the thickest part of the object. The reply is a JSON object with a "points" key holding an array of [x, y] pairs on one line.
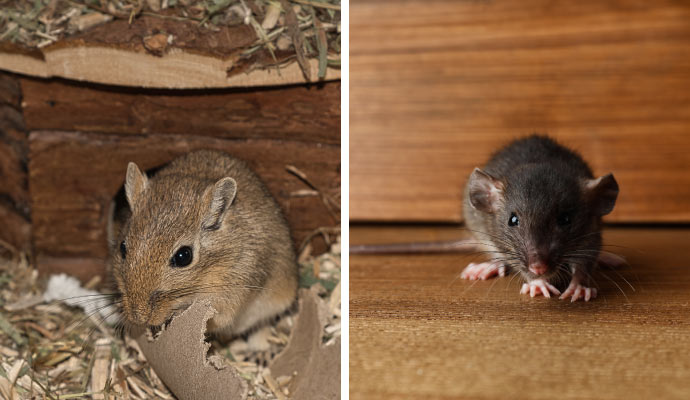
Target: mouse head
{"points": [[168, 242], [542, 218]]}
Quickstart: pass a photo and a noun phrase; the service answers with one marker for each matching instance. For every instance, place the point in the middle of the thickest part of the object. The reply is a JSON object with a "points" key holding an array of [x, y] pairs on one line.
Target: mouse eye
{"points": [[563, 219], [182, 257], [513, 221], [123, 250]]}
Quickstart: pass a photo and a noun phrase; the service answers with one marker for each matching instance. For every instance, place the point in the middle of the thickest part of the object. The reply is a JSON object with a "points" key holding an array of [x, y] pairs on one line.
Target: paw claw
{"points": [[577, 291], [539, 286], [483, 271]]}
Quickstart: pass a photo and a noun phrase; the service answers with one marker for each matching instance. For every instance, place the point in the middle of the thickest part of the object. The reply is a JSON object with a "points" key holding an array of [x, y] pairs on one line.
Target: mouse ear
{"points": [[222, 195], [135, 184], [602, 193], [485, 191]]}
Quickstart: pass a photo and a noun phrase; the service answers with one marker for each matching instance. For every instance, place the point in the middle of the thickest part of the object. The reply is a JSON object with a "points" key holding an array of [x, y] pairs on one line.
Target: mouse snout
{"points": [[538, 268], [537, 261]]}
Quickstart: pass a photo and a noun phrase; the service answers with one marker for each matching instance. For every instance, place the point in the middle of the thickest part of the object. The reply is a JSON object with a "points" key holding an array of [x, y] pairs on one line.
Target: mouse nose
{"points": [[538, 268]]}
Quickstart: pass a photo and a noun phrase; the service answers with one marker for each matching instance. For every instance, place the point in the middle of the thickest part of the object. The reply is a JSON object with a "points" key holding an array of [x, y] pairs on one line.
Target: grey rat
{"points": [[204, 226], [535, 208]]}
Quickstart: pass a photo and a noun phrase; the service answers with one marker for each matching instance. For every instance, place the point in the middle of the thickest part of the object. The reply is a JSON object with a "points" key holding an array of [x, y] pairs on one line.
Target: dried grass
{"points": [[54, 351], [313, 24]]}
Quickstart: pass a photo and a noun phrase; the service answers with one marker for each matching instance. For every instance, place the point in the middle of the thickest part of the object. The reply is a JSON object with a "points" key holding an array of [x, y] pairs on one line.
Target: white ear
{"points": [[222, 195], [485, 191], [602, 193], [135, 184]]}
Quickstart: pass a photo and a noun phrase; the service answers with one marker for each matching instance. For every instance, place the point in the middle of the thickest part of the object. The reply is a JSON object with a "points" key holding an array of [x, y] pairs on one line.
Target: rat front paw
{"points": [[539, 286], [578, 291], [483, 271]]}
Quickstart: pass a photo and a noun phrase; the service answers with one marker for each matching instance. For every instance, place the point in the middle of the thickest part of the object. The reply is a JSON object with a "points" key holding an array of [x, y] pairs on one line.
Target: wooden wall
{"points": [[82, 136], [436, 86], [14, 195]]}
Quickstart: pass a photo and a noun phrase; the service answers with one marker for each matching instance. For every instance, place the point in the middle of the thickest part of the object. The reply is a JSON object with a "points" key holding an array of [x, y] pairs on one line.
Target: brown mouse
{"points": [[536, 208], [204, 226]]}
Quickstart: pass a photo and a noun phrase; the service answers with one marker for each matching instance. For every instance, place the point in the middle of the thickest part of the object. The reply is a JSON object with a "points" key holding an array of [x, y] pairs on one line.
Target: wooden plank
{"points": [[437, 86], [14, 193], [291, 113], [74, 177], [16, 229], [416, 332], [185, 55]]}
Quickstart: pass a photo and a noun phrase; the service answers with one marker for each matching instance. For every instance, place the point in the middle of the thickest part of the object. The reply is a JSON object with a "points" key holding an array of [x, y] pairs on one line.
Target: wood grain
{"points": [[188, 56], [14, 194], [75, 176], [417, 332], [437, 86], [301, 113]]}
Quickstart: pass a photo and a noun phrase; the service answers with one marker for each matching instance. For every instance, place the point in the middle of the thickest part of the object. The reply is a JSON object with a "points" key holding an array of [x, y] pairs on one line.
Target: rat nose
{"points": [[538, 268]]}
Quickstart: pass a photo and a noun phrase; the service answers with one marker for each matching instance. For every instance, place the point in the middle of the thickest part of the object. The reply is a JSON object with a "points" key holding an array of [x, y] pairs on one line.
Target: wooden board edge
{"points": [[176, 70]]}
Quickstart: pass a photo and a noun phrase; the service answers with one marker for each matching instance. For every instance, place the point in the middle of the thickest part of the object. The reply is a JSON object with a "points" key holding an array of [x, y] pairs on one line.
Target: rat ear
{"points": [[135, 184], [222, 195], [602, 193], [485, 191]]}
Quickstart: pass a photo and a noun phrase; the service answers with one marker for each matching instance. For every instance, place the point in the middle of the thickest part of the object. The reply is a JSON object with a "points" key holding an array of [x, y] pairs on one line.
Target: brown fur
{"points": [[243, 258]]}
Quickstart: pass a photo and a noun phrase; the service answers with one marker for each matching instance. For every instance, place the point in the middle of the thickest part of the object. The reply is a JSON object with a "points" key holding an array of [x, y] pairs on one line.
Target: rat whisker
{"points": [[583, 236], [497, 238], [638, 251], [490, 288], [626, 281], [91, 316], [513, 277], [469, 287], [617, 285]]}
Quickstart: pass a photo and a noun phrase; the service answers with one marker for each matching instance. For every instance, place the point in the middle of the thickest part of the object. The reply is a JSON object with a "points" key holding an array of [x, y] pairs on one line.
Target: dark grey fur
{"points": [[541, 182]]}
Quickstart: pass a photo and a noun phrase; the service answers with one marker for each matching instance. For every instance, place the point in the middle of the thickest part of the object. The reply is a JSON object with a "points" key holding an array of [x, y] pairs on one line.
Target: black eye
{"points": [[513, 221], [123, 250], [182, 257], [563, 219]]}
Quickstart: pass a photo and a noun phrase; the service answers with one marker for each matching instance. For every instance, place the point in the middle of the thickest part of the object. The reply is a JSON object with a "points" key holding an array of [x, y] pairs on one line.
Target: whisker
{"points": [[617, 285]]}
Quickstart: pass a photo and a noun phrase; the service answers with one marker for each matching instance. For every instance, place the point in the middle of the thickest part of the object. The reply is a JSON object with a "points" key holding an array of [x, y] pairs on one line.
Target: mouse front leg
{"points": [[483, 270], [539, 286], [576, 290]]}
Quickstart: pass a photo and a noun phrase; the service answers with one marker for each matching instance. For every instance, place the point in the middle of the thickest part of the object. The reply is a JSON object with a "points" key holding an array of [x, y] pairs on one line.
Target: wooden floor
{"points": [[417, 332]]}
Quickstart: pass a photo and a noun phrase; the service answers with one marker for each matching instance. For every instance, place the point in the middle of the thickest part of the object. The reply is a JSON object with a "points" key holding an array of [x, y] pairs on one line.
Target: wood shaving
{"points": [[56, 350]]}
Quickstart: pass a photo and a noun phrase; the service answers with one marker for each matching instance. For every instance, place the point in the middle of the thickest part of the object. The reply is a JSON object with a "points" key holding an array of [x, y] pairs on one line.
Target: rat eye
{"points": [[513, 221], [123, 249], [182, 257], [563, 219]]}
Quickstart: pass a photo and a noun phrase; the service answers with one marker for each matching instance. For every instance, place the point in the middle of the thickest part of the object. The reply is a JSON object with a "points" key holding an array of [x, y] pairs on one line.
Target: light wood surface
{"points": [[437, 86], [189, 57], [418, 333]]}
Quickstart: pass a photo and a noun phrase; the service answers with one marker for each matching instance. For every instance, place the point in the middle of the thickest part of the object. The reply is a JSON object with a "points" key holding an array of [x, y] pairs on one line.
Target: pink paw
{"points": [[539, 286], [577, 291], [483, 271]]}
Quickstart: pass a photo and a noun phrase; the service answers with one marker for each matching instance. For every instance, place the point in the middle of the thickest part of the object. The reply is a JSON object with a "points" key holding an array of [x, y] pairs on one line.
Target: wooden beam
{"points": [[303, 113]]}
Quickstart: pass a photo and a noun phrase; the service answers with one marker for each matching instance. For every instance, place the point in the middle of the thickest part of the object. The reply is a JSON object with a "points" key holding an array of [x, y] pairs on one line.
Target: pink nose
{"points": [[538, 268]]}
